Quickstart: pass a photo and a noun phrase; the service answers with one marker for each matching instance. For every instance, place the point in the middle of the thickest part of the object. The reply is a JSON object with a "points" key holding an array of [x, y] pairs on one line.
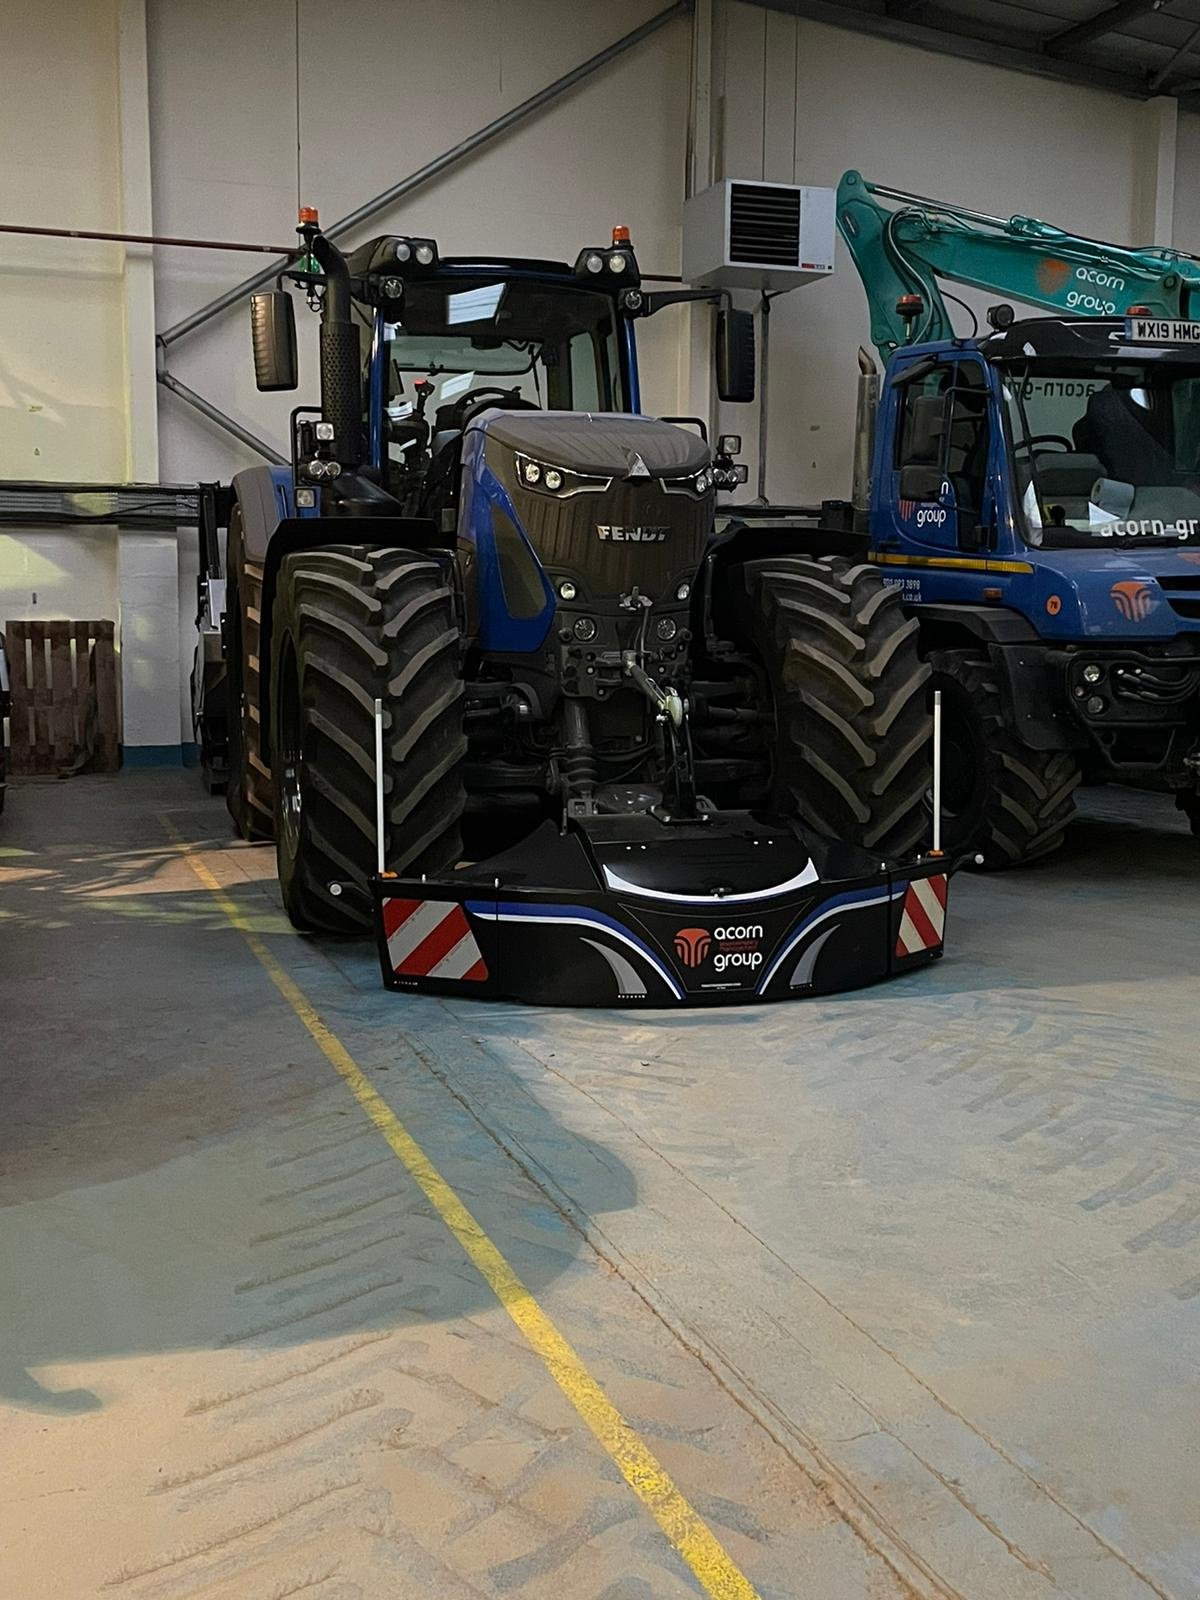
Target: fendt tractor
{"points": [[625, 759], [1034, 490]]}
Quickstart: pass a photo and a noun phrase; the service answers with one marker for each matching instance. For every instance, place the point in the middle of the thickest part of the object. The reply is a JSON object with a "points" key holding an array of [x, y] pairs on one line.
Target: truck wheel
{"points": [[852, 750], [1000, 798], [351, 624], [249, 793]]}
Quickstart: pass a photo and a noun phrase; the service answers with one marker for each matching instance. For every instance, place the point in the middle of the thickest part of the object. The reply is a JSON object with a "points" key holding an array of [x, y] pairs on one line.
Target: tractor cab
{"points": [[477, 336]]}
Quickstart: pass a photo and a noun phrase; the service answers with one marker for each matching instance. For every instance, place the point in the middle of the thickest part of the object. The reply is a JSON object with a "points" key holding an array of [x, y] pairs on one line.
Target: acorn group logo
{"points": [[1132, 598], [1052, 275], [692, 945]]}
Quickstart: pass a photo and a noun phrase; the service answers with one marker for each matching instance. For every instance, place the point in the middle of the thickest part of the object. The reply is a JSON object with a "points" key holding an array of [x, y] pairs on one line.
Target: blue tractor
{"points": [[480, 530], [1034, 492]]}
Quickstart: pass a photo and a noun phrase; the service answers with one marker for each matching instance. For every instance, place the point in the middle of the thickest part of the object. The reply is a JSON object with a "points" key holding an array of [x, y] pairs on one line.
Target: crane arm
{"points": [[908, 248]]}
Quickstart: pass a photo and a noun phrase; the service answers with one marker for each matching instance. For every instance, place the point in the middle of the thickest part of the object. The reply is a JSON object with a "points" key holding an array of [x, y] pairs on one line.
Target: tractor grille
{"points": [[1182, 595], [764, 225]]}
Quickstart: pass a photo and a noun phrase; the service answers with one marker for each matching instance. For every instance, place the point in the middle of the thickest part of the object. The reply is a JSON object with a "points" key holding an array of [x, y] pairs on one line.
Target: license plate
{"points": [[1161, 330]]}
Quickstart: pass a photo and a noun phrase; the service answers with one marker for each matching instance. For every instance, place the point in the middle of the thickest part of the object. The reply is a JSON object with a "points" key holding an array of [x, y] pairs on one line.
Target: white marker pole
{"points": [[937, 772], [379, 861]]}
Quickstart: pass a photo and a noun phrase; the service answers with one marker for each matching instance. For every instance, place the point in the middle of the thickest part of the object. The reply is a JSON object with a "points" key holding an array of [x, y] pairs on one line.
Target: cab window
{"points": [[944, 424]]}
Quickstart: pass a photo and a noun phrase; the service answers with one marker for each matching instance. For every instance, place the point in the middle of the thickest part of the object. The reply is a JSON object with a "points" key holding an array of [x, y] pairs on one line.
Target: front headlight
{"points": [[560, 482], [698, 483]]}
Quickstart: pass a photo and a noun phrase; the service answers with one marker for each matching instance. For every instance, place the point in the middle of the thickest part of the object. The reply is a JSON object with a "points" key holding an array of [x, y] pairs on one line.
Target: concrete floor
{"points": [[902, 1288]]}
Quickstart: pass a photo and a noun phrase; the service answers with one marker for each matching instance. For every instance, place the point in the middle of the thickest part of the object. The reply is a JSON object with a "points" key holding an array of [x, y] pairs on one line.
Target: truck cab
{"points": [[1035, 494]]}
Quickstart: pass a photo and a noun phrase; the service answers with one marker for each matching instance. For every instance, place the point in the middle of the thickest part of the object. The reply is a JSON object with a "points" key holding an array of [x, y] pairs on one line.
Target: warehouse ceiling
{"points": [[1135, 47]]}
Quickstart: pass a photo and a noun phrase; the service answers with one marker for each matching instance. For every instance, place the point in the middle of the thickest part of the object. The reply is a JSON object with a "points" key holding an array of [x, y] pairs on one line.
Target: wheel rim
{"points": [[290, 757]]}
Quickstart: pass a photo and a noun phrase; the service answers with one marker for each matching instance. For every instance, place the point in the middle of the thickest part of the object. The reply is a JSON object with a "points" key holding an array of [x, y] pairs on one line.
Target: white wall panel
{"points": [[1187, 186], [383, 91], [62, 371]]}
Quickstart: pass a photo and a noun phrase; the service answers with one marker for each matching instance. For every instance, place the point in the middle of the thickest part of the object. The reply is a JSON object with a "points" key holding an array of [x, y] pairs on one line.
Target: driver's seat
{"points": [[439, 490]]}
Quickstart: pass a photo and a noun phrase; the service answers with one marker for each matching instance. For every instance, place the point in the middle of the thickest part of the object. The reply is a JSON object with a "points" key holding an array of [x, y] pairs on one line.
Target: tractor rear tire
{"points": [[352, 624], [1001, 799], [249, 792], [853, 733]]}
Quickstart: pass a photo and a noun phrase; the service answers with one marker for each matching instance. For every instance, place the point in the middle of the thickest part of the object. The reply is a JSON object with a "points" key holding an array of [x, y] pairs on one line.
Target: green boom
{"points": [[906, 249]]}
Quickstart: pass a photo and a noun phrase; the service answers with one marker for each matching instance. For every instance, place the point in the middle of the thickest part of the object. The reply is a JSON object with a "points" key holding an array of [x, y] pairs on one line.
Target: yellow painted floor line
{"points": [[715, 1570]]}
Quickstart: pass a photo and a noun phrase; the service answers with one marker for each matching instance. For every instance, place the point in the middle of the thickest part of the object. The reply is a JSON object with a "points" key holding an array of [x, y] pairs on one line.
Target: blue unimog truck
{"points": [[1034, 492]]}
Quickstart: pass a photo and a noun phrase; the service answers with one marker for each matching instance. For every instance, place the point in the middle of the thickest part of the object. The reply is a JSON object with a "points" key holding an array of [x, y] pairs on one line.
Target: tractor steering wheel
{"points": [[1046, 438], [476, 400]]}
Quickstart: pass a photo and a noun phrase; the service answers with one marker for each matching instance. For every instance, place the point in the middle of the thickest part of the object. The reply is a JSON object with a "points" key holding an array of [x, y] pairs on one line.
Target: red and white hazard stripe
{"points": [[432, 939], [923, 920]]}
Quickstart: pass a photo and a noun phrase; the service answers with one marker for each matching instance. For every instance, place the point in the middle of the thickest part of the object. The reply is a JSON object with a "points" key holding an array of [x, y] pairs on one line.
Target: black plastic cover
{"points": [[601, 444]]}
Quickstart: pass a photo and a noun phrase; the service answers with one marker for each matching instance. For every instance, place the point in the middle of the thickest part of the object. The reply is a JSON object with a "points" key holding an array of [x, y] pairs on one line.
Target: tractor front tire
{"points": [[352, 624], [1000, 799], [249, 792], [852, 727]]}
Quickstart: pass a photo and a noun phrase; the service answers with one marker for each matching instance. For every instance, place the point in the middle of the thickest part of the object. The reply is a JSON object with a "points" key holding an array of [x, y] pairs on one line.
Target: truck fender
{"points": [[943, 626], [1030, 687]]}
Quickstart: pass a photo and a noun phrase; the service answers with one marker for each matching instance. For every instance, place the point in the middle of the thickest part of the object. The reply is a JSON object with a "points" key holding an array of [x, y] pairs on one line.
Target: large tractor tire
{"points": [[1000, 799], [852, 727], [249, 792], [351, 624]]}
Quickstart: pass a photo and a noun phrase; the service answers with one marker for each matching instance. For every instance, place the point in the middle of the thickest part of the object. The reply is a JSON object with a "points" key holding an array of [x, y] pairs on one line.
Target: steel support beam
{"points": [[1106, 21], [943, 42], [434, 169], [207, 409], [1158, 78]]}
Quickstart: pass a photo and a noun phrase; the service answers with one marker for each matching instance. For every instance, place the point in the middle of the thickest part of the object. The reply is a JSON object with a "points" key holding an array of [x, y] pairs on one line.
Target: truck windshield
{"points": [[1106, 453], [550, 345]]}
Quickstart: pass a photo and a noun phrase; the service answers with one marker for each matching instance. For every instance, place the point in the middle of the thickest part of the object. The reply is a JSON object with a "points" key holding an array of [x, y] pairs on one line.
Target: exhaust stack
{"points": [[341, 355], [864, 436]]}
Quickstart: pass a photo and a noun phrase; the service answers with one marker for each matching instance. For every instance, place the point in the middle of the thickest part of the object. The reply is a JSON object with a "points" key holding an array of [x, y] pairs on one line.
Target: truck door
{"points": [[936, 494]]}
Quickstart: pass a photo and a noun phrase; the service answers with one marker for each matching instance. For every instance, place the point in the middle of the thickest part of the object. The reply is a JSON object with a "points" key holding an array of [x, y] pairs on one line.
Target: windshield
{"points": [[1106, 453], [550, 345]]}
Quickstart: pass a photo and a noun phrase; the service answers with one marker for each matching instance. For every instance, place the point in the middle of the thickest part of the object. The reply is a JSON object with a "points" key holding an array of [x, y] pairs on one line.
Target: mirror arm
{"points": [[648, 301]]}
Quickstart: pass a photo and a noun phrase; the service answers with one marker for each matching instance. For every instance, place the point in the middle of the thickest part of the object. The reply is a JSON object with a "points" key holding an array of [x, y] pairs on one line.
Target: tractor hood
{"points": [[601, 445]]}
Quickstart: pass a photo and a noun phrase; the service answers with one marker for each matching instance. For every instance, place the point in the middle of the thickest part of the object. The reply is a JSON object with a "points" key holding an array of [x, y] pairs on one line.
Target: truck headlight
{"points": [[554, 478], [1092, 673], [531, 472]]}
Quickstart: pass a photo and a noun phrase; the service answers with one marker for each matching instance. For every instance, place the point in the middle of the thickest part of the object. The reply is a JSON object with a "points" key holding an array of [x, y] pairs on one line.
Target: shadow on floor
{"points": [[179, 1166]]}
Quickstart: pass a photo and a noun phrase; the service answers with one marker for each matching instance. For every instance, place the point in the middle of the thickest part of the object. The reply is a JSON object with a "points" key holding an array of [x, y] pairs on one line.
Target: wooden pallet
{"points": [[64, 697]]}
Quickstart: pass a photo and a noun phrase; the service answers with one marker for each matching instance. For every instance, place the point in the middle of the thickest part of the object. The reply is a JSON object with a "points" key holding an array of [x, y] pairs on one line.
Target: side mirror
{"points": [[273, 326], [735, 355], [920, 483]]}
